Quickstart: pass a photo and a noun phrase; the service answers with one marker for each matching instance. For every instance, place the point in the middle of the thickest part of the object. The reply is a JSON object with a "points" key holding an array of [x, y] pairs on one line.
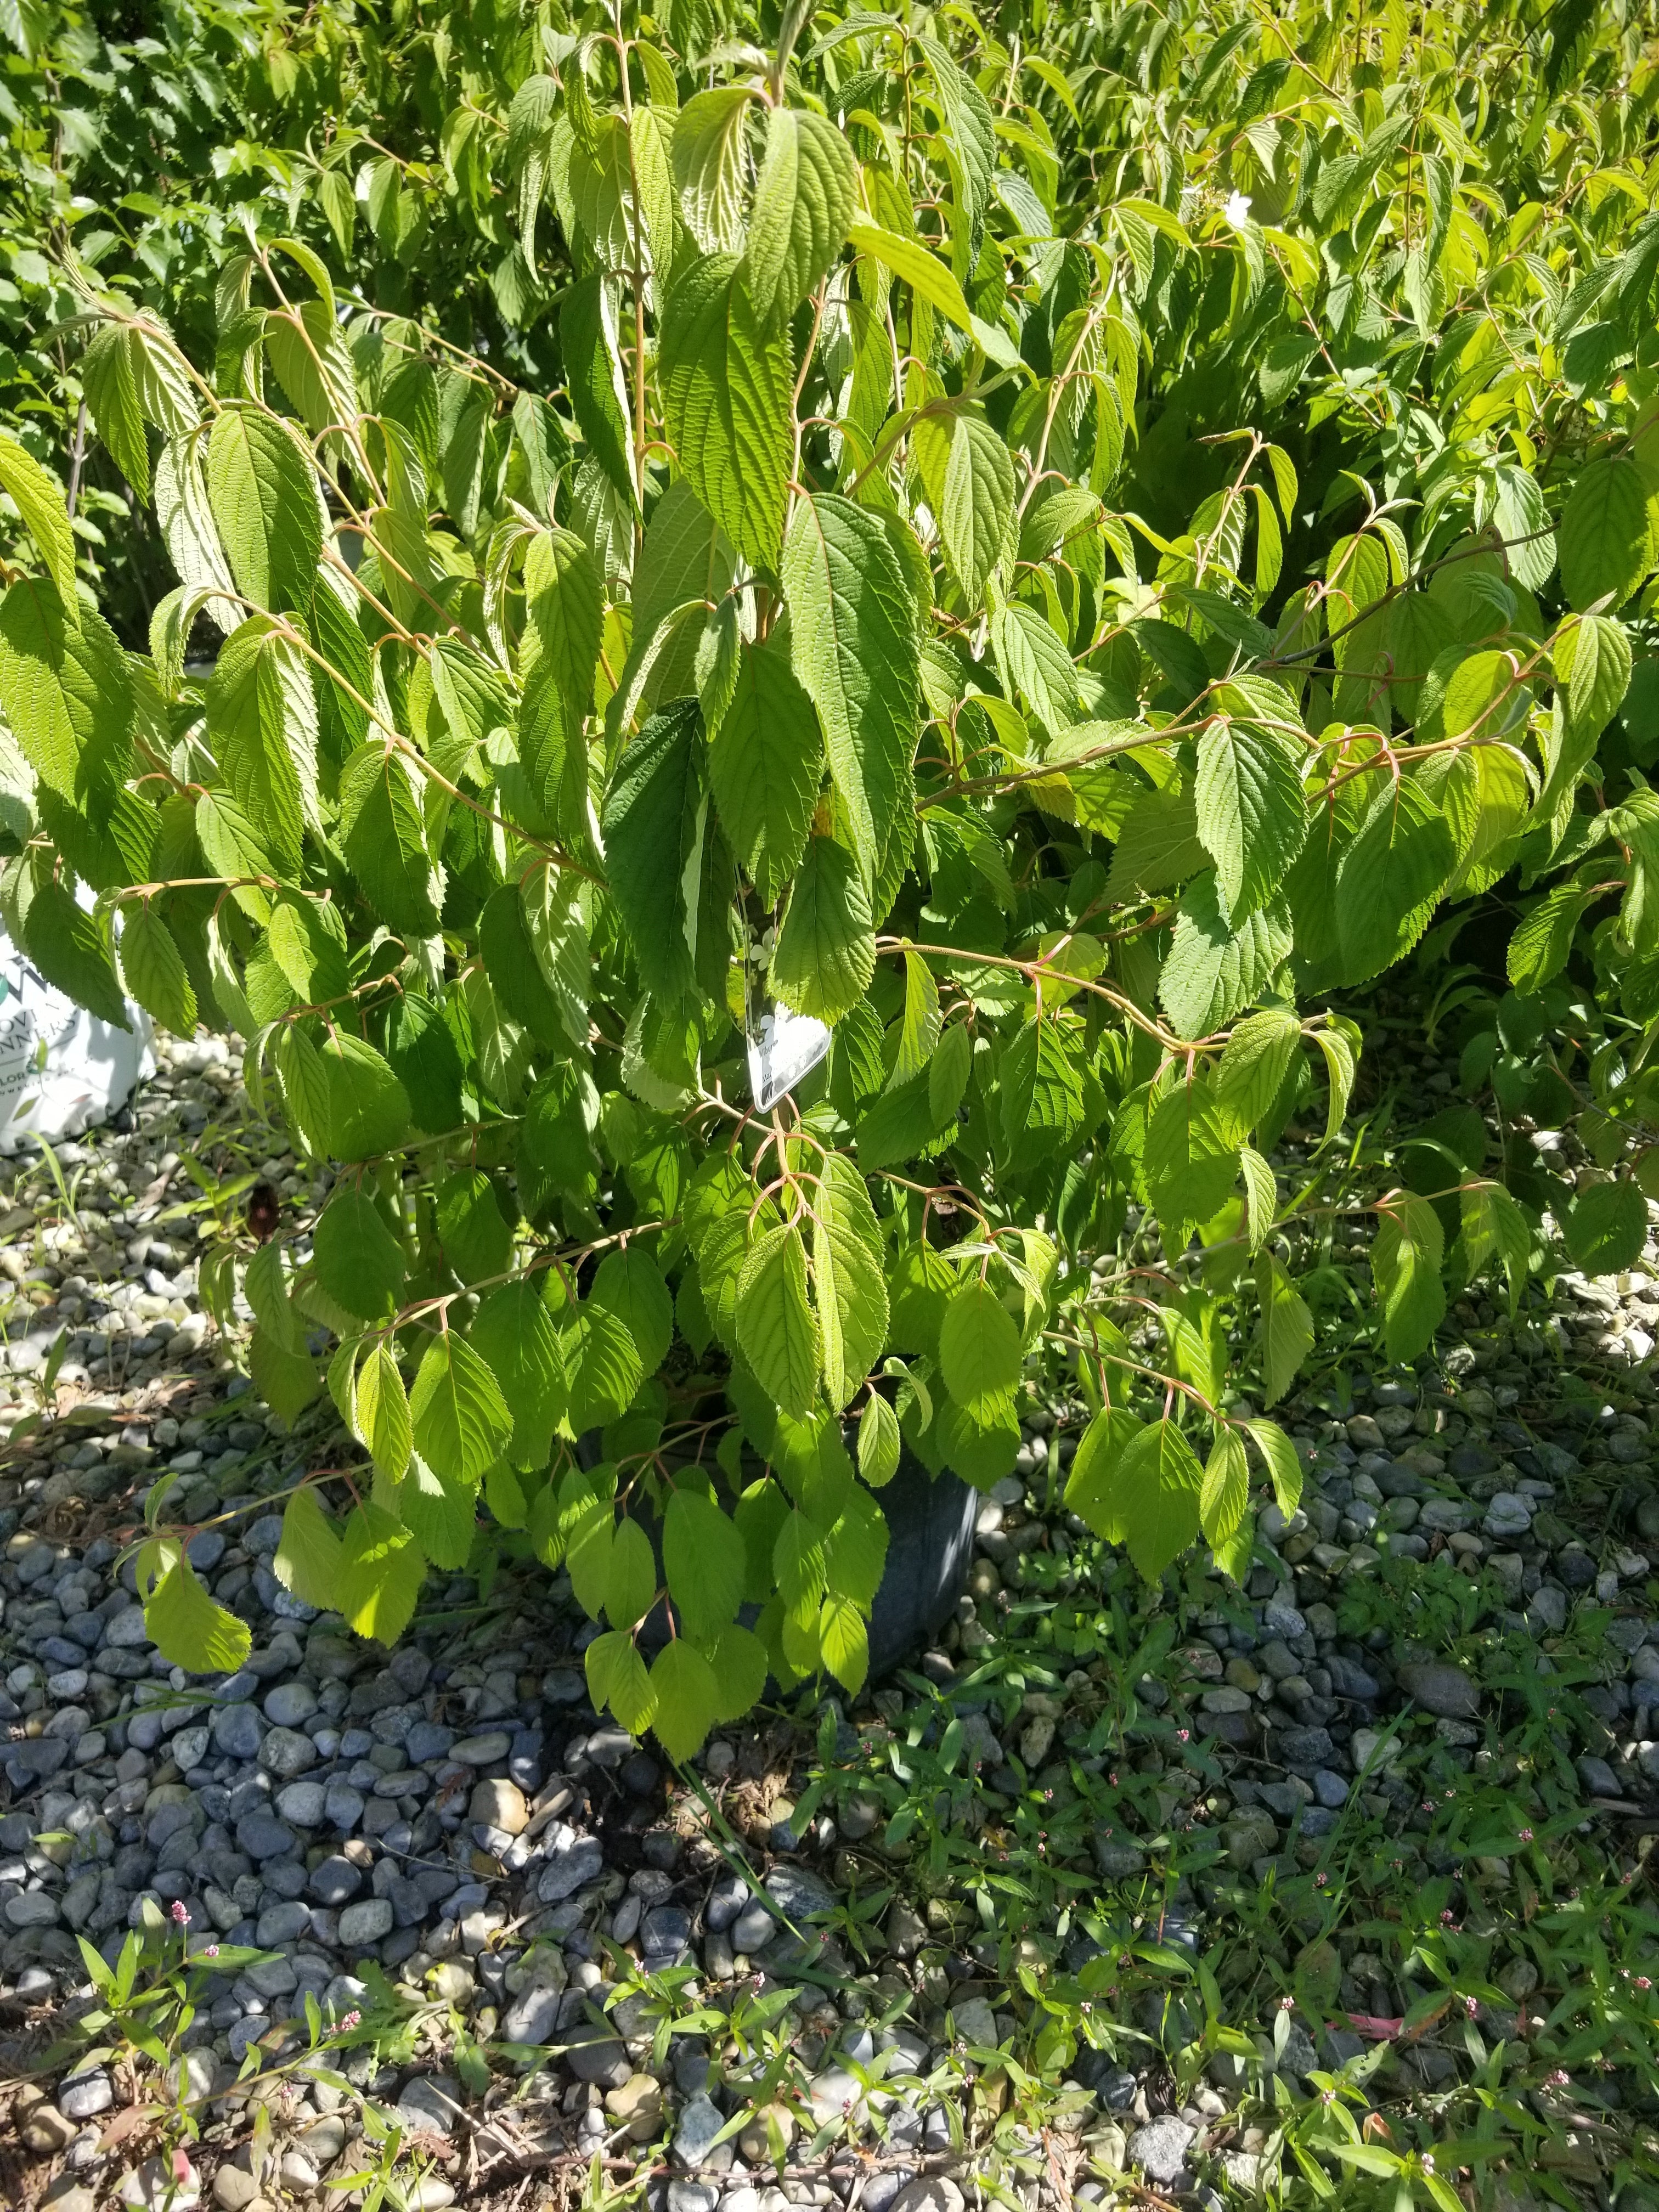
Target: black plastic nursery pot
{"points": [[930, 1541]]}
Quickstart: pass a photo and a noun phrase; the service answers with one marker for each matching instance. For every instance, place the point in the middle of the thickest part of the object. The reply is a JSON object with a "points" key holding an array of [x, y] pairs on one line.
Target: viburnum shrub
{"points": [[1034, 606]]}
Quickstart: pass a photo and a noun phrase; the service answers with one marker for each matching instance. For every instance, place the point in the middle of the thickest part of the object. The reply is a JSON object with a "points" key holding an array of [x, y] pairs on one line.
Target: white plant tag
{"points": [[783, 1046]]}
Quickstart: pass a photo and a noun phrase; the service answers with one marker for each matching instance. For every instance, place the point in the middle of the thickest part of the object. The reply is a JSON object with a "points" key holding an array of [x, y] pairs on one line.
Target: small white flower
{"points": [[1237, 209]]}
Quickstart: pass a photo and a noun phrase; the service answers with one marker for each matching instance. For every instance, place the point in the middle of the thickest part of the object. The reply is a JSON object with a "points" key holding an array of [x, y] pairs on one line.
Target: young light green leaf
{"points": [[460, 1419], [919, 1033], [381, 1573], [617, 1682], [1285, 1326], [879, 1441], [1252, 817], [688, 1698], [40, 503], [805, 199], [186, 1627], [1405, 1259], [1227, 1489], [308, 1554], [705, 1561], [776, 1328], [1283, 1468]]}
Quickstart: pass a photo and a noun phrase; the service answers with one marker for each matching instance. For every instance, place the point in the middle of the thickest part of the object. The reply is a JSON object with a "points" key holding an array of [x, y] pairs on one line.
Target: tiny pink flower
{"points": [[1471, 2005], [1526, 1835], [348, 2021], [1558, 2079], [1181, 1735], [1320, 1881], [1287, 2004], [180, 1912], [1642, 1982], [1446, 1918], [211, 1951]]}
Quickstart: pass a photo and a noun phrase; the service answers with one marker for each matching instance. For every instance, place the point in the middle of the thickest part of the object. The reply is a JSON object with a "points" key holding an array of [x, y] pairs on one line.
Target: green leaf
{"points": [[704, 1557], [655, 820], [358, 1261], [1226, 1490], [441, 1514], [381, 1570], [1287, 1328], [777, 1328], [979, 1346], [1388, 879], [368, 1107], [261, 722], [630, 1586], [187, 1627], [265, 1286], [1251, 815], [968, 474], [727, 386], [1283, 1468], [604, 1366], [1606, 534], [879, 1441], [844, 1641], [1159, 1485], [711, 166], [1606, 1228], [383, 833], [460, 1417], [629, 1284], [1254, 1064], [913, 264], [1092, 1484], [263, 488], [805, 199], [72, 949], [1593, 658], [1406, 1256], [767, 764], [379, 1416], [39, 500], [1034, 660], [1494, 1227], [66, 692], [853, 643], [514, 1333], [826, 950], [308, 1554], [740, 1662], [592, 368], [617, 1682], [919, 1033], [514, 967], [1212, 969], [1189, 1162], [851, 1288], [153, 969], [948, 1072], [688, 1698], [564, 598], [286, 1379]]}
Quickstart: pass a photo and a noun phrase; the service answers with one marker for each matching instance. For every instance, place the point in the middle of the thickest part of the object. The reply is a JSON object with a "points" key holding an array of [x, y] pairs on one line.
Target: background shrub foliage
{"points": [[1056, 545]]}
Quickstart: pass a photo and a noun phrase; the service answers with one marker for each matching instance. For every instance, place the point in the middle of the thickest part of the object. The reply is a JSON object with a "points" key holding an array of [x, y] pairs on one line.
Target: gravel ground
{"points": [[445, 1838]]}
